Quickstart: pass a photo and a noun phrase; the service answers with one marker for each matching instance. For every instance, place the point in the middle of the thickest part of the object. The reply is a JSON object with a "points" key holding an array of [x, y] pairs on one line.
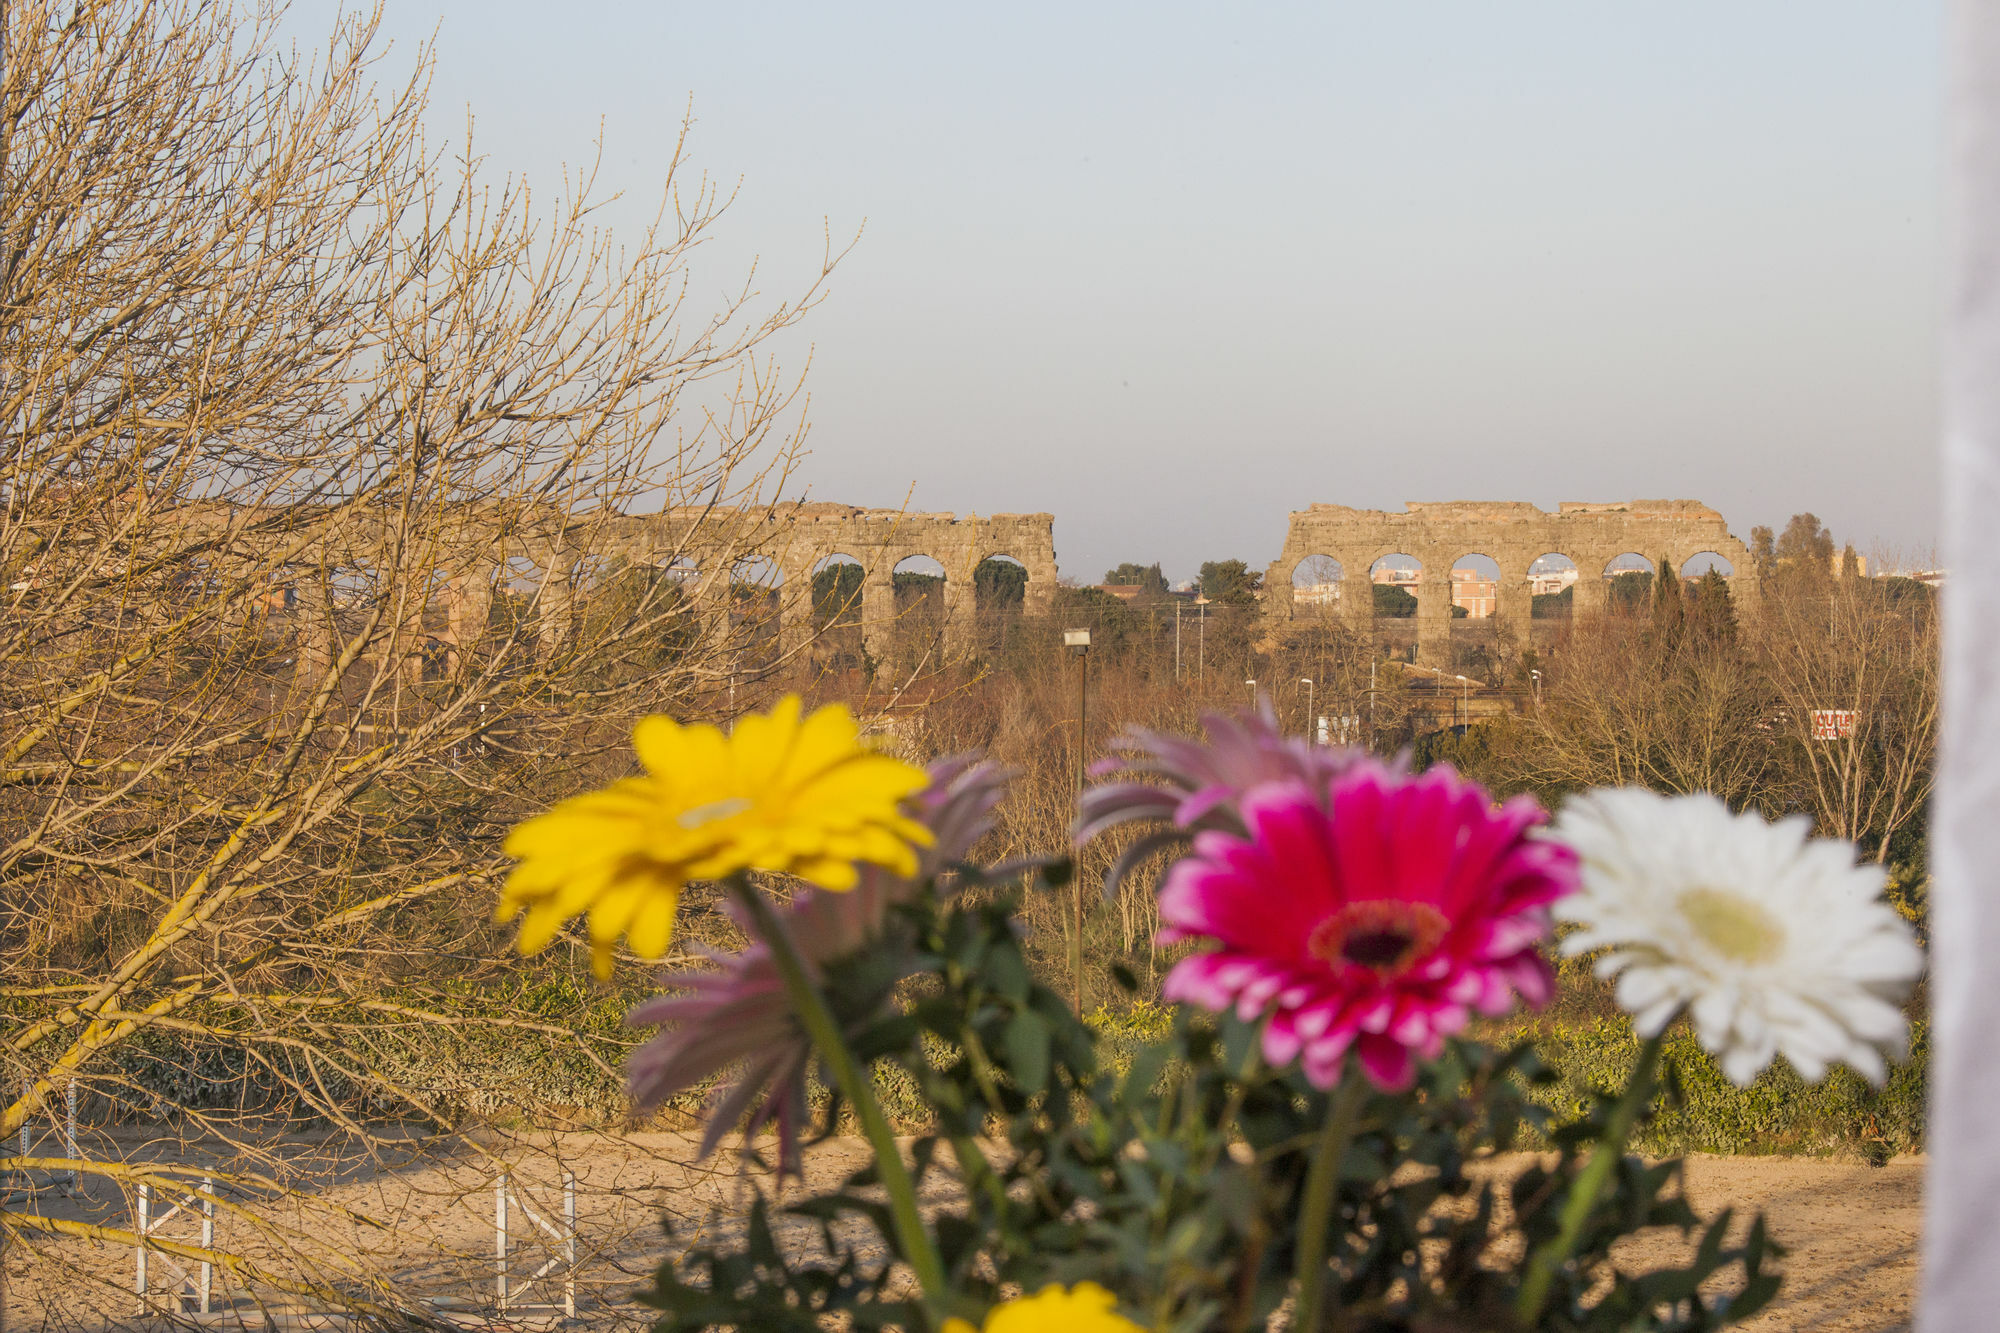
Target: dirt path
{"points": [[1851, 1231], [411, 1229]]}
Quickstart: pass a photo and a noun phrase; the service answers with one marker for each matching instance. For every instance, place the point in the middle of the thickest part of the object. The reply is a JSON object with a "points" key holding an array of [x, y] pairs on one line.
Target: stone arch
{"points": [[683, 571], [756, 584], [1701, 562], [837, 585], [1628, 583], [1512, 533], [1400, 572], [1318, 580], [1552, 578], [1475, 587], [756, 571], [918, 577], [999, 583], [918, 586]]}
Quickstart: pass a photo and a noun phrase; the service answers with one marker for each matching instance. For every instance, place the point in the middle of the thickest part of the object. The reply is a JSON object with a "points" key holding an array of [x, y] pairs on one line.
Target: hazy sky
{"points": [[1170, 272]]}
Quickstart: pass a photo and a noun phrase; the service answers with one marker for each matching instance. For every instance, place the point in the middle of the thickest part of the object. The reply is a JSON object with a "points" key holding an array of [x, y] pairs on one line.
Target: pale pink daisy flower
{"points": [[1188, 785], [1374, 914], [736, 1012]]}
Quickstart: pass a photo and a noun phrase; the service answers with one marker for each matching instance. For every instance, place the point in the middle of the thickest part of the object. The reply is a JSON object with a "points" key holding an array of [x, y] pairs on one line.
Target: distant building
{"points": [[1124, 592], [1479, 595], [1545, 585], [1316, 594]]}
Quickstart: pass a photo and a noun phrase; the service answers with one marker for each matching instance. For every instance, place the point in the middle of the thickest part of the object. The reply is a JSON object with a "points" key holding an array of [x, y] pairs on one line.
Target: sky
{"points": [[1171, 271]]}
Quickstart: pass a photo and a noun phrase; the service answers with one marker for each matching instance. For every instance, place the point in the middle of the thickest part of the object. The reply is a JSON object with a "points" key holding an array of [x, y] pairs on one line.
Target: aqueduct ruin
{"points": [[1513, 535], [789, 542], [706, 550]]}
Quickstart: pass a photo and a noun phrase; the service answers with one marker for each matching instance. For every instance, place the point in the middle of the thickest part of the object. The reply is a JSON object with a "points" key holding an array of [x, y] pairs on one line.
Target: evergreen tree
{"points": [[1712, 611], [1230, 582], [1152, 582], [1669, 605]]}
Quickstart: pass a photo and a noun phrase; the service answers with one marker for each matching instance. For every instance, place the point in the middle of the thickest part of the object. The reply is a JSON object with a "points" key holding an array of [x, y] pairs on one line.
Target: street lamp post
{"points": [[1253, 693], [1201, 641], [1536, 676], [1464, 704], [1371, 704], [1078, 642], [1312, 732]]}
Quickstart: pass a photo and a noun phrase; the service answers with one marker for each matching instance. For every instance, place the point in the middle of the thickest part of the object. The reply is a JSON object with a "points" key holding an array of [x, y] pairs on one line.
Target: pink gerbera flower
{"points": [[1374, 914]]}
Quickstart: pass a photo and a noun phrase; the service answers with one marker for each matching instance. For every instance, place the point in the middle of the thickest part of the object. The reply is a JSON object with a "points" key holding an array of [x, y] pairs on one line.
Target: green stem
{"points": [[1343, 1113], [847, 1074], [1604, 1158]]}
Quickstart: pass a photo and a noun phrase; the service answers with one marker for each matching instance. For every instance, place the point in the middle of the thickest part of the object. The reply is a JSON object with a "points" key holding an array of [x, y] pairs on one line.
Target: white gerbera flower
{"points": [[1773, 941]]}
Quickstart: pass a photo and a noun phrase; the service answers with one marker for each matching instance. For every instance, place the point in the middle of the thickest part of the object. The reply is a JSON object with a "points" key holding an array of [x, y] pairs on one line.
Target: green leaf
{"points": [[1007, 974], [1027, 1051]]}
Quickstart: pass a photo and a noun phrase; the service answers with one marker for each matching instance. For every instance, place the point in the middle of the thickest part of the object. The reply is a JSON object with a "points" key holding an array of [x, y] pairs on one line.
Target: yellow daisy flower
{"points": [[1084, 1308], [780, 792]]}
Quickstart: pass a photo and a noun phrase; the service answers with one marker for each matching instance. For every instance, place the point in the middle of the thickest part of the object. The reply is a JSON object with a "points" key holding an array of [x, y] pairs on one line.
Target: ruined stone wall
{"points": [[796, 539], [1513, 535], [706, 548]]}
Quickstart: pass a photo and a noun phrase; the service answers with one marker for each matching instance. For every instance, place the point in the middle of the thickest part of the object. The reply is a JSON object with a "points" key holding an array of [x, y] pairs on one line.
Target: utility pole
{"points": [[1177, 639], [1371, 703], [1312, 731]]}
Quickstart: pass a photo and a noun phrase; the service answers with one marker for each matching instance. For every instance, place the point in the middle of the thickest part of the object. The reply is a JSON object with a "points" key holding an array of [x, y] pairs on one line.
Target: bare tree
{"points": [[1620, 706], [350, 506], [1854, 665]]}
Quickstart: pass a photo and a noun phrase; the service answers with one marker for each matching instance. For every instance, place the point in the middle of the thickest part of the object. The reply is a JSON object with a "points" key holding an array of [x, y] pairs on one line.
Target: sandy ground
{"points": [[404, 1230], [1851, 1233]]}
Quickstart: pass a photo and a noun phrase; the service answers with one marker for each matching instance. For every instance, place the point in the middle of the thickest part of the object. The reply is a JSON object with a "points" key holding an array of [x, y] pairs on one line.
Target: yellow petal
{"points": [[541, 925], [760, 744], [826, 739], [839, 876], [615, 908], [656, 739], [653, 928]]}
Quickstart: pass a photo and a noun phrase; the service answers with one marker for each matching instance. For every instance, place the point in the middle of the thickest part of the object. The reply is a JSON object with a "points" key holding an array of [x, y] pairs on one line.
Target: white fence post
{"points": [[569, 1244], [145, 1226], [508, 1291], [69, 1131], [207, 1241], [65, 1125], [500, 1237], [194, 1291]]}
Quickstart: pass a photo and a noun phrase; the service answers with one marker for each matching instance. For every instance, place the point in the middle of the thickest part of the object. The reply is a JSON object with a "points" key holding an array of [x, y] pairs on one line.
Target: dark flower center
{"points": [[1384, 935], [1376, 948]]}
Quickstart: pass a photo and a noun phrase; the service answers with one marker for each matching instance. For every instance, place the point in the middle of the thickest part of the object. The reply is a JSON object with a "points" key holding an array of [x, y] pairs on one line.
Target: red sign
{"points": [[1832, 724]]}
